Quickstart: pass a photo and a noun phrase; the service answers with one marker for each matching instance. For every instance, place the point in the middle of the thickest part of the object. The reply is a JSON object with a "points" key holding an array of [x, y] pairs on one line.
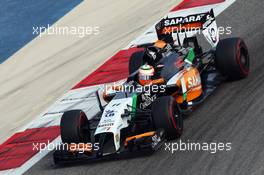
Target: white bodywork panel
{"points": [[111, 121]]}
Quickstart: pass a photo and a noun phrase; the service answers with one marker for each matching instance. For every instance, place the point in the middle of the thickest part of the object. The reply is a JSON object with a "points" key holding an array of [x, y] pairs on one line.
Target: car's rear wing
{"points": [[183, 10], [171, 29]]}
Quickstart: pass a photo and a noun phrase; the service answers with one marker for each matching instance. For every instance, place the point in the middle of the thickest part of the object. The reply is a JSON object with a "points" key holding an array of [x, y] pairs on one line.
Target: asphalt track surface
{"points": [[234, 113]]}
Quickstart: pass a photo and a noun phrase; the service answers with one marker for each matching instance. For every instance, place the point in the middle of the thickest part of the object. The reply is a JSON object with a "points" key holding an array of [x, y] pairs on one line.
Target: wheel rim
{"points": [[178, 120], [83, 128], [242, 58], [244, 61], [177, 117]]}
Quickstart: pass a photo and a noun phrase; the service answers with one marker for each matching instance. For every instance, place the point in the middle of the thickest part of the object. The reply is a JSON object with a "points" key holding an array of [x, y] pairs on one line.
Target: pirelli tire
{"points": [[166, 115], [136, 60], [232, 58], [74, 127]]}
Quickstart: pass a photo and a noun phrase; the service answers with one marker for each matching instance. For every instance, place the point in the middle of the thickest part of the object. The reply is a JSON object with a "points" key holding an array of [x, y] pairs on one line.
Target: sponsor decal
{"points": [[110, 113], [108, 121], [147, 100], [155, 140], [183, 20], [213, 35], [189, 23], [182, 24], [108, 128], [194, 81], [105, 125], [116, 104], [210, 18]]}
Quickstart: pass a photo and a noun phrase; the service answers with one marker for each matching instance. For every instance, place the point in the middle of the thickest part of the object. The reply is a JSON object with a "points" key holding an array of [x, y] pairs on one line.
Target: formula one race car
{"points": [[166, 81]]}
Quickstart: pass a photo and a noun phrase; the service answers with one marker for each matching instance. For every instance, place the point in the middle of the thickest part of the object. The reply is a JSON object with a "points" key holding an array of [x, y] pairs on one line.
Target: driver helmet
{"points": [[145, 75]]}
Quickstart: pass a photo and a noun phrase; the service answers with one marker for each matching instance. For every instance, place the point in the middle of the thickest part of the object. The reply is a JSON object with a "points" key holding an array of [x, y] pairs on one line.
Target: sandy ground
{"points": [[47, 67]]}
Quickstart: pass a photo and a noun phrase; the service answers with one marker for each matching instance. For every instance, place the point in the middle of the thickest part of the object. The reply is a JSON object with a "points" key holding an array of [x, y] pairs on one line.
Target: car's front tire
{"points": [[232, 58], [74, 127], [167, 116]]}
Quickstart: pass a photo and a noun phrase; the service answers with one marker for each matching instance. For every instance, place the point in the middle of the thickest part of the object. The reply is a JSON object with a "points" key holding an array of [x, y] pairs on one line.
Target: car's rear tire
{"points": [[167, 116], [232, 58], [74, 127], [136, 60]]}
